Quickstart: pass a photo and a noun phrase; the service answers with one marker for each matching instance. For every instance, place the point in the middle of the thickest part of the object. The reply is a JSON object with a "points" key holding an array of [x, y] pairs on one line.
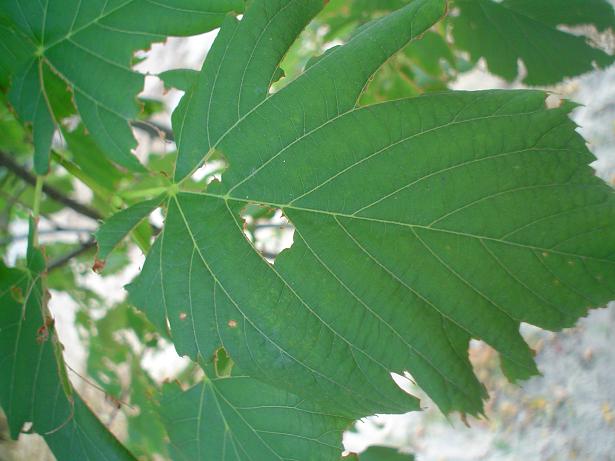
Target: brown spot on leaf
{"points": [[17, 294], [42, 334], [98, 266], [232, 323], [183, 316], [553, 101], [117, 404]]}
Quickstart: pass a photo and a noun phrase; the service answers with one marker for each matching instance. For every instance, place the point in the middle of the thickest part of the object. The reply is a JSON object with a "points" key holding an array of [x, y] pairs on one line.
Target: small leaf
{"points": [[598, 13], [110, 355], [99, 171], [181, 79], [240, 418], [121, 224], [242, 52], [504, 32], [378, 453]]}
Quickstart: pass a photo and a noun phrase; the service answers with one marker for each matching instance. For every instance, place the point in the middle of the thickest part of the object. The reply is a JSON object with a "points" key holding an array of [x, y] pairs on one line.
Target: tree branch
{"points": [[63, 260], [59, 230], [153, 129], [51, 192], [54, 194]]}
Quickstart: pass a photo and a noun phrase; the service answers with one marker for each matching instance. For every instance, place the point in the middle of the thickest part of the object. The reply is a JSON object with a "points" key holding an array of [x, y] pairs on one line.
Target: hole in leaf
{"points": [[211, 170], [521, 71], [484, 360], [407, 383], [104, 378], [553, 101], [454, 11], [269, 231]]}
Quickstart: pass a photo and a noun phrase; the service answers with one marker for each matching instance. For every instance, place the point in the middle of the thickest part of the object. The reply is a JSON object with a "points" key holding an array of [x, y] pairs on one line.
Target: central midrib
{"points": [[397, 223]]}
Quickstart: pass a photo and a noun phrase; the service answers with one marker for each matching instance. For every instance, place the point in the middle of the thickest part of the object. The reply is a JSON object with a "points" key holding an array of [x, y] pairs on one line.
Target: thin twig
{"points": [[273, 226], [96, 386], [63, 260], [51, 192], [60, 230], [153, 129]]}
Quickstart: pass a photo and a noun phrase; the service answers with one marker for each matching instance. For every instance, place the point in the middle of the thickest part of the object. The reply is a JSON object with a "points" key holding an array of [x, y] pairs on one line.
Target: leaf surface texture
{"points": [[89, 46], [420, 224], [34, 386], [236, 418]]}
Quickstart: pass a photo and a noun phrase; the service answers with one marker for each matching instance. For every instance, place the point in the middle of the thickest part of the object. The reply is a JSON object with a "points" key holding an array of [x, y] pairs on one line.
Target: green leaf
{"points": [[288, 120], [111, 352], [35, 387], [423, 66], [599, 13], [430, 52], [12, 134], [243, 54], [114, 229], [505, 32], [240, 418], [343, 15], [92, 161], [420, 224], [28, 99], [182, 79], [322, 92], [13, 50], [146, 433], [90, 46], [377, 453]]}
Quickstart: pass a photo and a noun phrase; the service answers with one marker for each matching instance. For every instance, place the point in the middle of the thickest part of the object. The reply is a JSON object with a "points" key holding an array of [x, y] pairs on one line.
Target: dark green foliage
{"points": [[422, 218]]}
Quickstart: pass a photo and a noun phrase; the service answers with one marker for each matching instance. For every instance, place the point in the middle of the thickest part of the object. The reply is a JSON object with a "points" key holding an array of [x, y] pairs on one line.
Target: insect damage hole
{"points": [[553, 101], [269, 231], [407, 383], [211, 170]]}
